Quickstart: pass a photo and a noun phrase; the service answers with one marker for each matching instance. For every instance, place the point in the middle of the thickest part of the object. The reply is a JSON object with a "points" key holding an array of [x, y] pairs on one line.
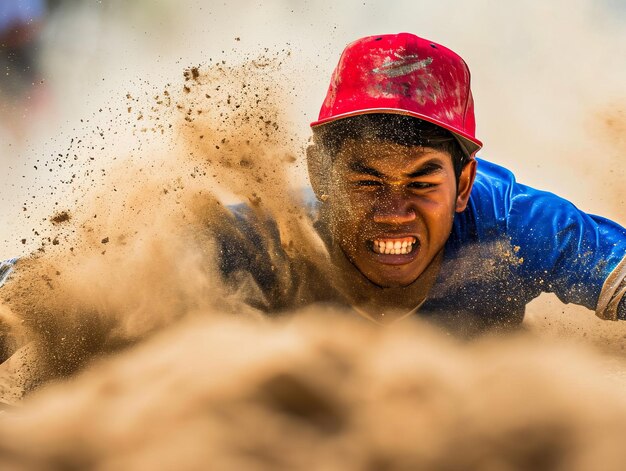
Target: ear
{"points": [[319, 170], [466, 181]]}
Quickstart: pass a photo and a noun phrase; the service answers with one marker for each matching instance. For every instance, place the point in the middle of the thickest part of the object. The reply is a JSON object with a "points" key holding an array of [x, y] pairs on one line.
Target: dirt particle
{"points": [[60, 217]]}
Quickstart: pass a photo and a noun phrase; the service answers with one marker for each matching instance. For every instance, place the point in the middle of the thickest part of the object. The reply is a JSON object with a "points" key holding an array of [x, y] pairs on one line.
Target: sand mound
{"points": [[324, 392]]}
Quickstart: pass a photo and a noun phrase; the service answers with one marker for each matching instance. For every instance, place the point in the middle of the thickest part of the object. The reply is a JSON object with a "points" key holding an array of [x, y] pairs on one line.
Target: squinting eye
{"points": [[368, 183], [421, 185]]}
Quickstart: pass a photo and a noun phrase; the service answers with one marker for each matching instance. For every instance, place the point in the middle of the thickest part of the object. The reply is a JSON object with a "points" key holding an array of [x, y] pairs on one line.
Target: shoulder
{"points": [[489, 204], [493, 183], [250, 220], [491, 173], [497, 198]]}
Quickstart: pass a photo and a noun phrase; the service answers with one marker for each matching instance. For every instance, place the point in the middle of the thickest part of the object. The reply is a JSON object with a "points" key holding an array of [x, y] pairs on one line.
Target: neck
{"points": [[381, 305]]}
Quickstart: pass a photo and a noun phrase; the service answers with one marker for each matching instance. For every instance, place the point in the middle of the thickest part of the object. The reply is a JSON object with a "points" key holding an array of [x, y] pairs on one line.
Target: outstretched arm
{"points": [[579, 257]]}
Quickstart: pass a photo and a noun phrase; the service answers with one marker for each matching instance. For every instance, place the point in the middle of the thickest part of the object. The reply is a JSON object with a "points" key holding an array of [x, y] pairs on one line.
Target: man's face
{"points": [[392, 208]]}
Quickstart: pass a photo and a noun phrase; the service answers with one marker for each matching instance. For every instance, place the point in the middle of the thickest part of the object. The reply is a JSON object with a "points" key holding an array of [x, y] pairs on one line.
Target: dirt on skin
{"points": [[179, 371]]}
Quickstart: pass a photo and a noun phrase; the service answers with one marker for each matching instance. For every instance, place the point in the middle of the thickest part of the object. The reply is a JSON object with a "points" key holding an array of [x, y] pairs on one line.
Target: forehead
{"points": [[388, 157]]}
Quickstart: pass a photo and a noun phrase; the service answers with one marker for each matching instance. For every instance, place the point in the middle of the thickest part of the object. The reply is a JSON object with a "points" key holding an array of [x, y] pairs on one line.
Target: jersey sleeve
{"points": [[578, 256], [6, 267]]}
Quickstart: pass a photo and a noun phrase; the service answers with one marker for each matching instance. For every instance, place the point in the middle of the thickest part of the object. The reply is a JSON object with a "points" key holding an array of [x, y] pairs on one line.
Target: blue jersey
{"points": [[514, 242], [510, 244]]}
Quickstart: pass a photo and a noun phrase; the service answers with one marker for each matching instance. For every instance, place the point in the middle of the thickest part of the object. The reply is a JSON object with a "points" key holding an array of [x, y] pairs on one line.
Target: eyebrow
{"points": [[428, 169], [358, 167]]}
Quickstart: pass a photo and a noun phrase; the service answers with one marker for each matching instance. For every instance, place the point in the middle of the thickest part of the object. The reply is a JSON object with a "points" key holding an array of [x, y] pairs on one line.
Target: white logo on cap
{"points": [[403, 66]]}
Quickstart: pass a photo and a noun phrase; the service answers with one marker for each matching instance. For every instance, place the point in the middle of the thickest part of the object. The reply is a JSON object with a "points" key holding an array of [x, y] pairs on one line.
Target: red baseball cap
{"points": [[403, 74]]}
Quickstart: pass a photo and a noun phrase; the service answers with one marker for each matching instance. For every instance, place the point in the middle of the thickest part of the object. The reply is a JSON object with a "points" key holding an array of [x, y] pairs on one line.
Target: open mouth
{"points": [[394, 246]]}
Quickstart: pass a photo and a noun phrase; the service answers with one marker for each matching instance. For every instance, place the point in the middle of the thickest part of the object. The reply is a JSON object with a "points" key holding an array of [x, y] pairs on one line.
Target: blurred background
{"points": [[548, 77]]}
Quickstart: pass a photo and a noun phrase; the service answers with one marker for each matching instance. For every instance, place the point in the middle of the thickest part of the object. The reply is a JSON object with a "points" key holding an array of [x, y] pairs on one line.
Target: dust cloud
{"points": [[136, 250]]}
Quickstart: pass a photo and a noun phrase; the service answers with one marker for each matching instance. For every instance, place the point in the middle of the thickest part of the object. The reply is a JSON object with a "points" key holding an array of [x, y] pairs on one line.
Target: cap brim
{"points": [[469, 144]]}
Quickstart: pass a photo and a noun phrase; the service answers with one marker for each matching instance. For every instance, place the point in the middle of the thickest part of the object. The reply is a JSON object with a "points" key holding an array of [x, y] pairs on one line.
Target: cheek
{"points": [[350, 214], [350, 204], [437, 211]]}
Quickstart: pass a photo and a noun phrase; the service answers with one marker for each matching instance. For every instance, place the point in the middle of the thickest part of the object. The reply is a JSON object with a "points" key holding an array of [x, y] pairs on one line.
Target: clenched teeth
{"points": [[399, 246]]}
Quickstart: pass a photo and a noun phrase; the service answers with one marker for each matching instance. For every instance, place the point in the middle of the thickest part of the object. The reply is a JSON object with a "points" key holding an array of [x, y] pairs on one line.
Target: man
{"points": [[417, 225]]}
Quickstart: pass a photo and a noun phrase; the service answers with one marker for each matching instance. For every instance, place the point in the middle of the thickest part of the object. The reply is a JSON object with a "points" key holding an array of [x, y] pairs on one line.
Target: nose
{"points": [[394, 208]]}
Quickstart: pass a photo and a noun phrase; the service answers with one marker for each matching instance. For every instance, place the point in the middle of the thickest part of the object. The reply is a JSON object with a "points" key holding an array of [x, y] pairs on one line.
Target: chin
{"points": [[392, 281], [396, 283]]}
